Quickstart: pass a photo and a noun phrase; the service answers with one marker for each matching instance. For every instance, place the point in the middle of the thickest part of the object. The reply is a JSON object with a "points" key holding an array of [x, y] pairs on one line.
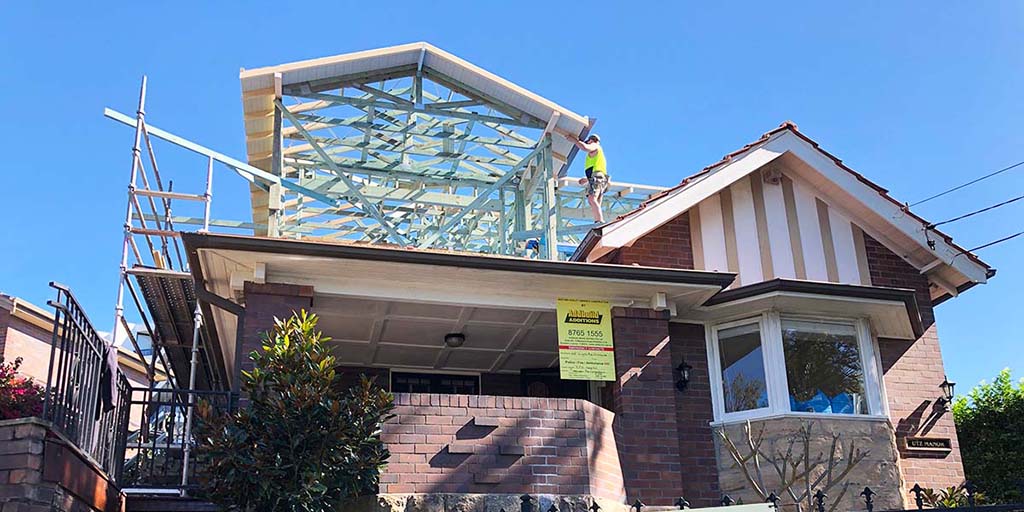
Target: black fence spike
{"points": [[552, 508], [918, 495], [594, 507], [774, 499], [969, 489], [527, 505], [869, 498], [638, 505], [682, 503], [727, 500], [819, 500]]}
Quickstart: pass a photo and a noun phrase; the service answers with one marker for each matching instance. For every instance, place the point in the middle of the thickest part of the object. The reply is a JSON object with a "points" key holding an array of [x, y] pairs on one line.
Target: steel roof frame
{"points": [[417, 159]]}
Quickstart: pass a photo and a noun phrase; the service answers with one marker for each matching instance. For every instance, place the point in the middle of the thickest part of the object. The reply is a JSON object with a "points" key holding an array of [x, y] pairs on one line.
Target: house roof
{"points": [[261, 85], [595, 244]]}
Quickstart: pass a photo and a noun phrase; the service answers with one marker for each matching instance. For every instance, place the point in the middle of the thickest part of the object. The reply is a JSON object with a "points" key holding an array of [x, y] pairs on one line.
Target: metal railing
{"points": [[74, 383], [155, 455]]}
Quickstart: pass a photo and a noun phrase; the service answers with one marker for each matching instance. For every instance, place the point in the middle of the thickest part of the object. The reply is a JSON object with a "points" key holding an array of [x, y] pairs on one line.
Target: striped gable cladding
{"points": [[750, 228], [781, 207]]}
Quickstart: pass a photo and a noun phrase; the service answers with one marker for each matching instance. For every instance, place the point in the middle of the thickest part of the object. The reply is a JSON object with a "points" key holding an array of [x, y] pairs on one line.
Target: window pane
{"points": [[743, 382], [823, 367]]}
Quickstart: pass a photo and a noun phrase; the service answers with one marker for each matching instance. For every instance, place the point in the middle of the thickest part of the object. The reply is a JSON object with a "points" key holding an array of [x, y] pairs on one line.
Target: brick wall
{"points": [[264, 302], [667, 246], [499, 445], [644, 400], [913, 371], [39, 472], [32, 344], [693, 416]]}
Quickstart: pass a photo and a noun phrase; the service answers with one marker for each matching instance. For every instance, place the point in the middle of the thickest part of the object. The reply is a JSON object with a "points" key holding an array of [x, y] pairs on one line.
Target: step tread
{"points": [[168, 504]]}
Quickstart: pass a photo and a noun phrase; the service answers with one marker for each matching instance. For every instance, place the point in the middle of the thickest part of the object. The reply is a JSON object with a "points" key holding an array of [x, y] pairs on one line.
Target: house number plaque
{"points": [[929, 444]]}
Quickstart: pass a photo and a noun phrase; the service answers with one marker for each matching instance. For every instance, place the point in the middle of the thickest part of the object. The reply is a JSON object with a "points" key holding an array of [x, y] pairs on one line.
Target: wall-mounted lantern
{"points": [[683, 374], [947, 387]]}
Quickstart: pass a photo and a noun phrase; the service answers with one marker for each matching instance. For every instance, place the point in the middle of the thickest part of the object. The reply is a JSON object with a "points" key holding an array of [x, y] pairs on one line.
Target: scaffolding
{"points": [[427, 153], [405, 145]]}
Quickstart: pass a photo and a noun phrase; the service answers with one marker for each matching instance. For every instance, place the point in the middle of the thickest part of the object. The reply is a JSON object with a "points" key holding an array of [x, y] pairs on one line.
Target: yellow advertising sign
{"points": [[585, 347]]}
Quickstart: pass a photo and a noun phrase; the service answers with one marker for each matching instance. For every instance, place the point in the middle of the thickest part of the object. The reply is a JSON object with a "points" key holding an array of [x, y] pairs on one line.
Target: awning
{"points": [[893, 312]]}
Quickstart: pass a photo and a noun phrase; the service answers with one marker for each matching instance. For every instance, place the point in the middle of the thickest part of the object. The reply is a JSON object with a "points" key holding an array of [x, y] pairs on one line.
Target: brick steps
{"points": [[168, 504]]}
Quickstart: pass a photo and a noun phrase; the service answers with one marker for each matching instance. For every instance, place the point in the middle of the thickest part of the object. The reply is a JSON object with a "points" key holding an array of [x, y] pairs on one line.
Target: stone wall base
{"points": [[473, 503], [873, 442]]}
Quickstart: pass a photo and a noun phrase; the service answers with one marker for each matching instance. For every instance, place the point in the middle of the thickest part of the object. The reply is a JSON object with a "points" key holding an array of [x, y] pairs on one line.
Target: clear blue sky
{"points": [[918, 96]]}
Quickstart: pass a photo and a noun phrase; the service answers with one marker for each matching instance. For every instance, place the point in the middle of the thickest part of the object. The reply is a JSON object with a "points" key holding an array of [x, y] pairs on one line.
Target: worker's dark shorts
{"points": [[597, 182]]}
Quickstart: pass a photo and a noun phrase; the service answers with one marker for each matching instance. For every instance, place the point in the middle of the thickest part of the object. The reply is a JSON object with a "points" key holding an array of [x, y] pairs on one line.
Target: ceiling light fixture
{"points": [[454, 339]]}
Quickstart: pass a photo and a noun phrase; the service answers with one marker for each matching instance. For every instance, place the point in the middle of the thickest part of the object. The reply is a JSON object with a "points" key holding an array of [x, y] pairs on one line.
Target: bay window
{"points": [[823, 367], [776, 364]]}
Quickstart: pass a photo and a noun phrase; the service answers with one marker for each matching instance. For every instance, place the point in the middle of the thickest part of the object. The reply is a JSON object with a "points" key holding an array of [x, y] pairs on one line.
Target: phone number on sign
{"points": [[586, 333]]}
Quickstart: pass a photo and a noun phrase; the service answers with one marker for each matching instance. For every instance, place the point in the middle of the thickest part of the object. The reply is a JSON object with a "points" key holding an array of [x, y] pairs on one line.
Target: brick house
{"points": [[775, 303], [775, 249]]}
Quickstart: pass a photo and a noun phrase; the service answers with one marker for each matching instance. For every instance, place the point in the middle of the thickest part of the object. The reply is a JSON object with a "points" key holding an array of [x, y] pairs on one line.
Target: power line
{"points": [[972, 182], [1001, 240], [983, 210]]}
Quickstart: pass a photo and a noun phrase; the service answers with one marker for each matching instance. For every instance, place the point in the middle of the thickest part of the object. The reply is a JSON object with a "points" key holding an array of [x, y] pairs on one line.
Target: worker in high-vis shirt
{"points": [[596, 167]]}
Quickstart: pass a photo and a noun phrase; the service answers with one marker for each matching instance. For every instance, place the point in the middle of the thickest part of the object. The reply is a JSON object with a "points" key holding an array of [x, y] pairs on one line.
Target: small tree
{"points": [[19, 396], [304, 442], [990, 426]]}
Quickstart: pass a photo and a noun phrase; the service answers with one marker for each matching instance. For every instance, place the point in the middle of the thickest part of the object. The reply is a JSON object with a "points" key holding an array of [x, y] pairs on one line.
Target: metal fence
{"points": [[962, 497], [155, 457], [74, 382], [142, 438]]}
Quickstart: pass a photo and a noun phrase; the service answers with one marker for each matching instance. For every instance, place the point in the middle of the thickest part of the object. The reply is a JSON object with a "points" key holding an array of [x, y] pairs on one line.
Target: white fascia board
{"points": [[629, 229], [876, 202]]}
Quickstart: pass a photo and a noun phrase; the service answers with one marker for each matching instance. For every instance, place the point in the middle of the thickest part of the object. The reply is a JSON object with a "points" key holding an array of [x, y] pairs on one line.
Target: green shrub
{"points": [[304, 442], [990, 426], [951, 497]]}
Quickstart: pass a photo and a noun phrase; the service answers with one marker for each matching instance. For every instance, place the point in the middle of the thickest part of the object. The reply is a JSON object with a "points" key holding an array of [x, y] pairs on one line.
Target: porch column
{"points": [[644, 400], [264, 302]]}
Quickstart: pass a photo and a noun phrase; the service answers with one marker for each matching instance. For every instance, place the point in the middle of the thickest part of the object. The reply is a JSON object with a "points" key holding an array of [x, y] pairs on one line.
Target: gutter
{"points": [[989, 274], [905, 295], [195, 241]]}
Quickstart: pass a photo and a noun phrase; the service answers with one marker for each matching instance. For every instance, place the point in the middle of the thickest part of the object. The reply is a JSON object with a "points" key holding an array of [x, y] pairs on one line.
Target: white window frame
{"points": [[715, 362], [776, 381]]}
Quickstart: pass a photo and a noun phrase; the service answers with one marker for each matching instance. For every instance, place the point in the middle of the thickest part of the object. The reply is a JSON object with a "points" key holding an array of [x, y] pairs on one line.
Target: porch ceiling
{"points": [[400, 334], [404, 301]]}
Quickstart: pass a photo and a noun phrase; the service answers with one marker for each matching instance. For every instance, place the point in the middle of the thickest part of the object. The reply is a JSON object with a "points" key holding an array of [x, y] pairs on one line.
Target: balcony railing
{"points": [[78, 373], [155, 452]]}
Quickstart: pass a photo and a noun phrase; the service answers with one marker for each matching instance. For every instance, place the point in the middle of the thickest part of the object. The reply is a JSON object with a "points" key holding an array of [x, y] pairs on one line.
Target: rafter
{"points": [[365, 205]]}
